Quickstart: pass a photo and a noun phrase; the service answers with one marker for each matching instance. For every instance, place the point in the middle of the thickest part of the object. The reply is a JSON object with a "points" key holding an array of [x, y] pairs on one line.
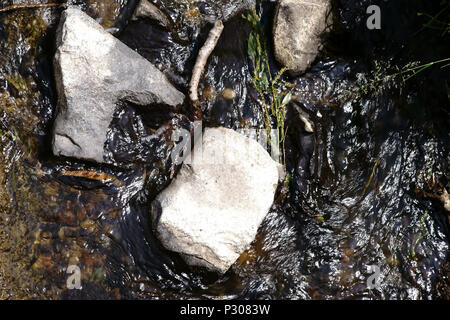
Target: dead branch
{"points": [[31, 6], [202, 58]]}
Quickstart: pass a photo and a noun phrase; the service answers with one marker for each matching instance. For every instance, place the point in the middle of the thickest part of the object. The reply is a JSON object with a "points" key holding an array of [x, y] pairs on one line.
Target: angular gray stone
{"points": [[93, 72], [297, 29], [212, 210]]}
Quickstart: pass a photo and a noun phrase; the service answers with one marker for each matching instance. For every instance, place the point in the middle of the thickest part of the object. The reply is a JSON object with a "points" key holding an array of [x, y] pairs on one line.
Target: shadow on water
{"points": [[361, 188]]}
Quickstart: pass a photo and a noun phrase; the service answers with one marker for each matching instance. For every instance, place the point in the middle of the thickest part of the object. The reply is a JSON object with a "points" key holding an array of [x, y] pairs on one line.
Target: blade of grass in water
{"points": [[274, 94]]}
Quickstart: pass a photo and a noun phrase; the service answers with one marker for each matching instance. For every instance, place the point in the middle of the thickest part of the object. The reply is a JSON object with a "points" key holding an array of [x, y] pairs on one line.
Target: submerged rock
{"points": [[298, 26], [211, 212], [94, 72], [147, 10], [230, 8], [228, 94]]}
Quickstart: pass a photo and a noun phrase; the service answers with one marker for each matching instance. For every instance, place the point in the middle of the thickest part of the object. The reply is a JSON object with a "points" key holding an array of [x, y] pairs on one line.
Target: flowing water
{"points": [[363, 188]]}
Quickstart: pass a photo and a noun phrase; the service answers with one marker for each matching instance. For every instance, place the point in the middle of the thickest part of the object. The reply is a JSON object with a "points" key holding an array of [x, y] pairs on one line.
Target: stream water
{"points": [[361, 201]]}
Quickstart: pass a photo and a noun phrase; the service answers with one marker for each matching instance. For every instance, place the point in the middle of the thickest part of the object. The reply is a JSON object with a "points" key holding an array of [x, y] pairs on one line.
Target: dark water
{"points": [[362, 188]]}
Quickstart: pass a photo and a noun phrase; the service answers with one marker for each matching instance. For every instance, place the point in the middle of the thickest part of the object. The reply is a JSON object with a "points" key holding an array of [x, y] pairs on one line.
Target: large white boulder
{"points": [[297, 29], [94, 71], [212, 210]]}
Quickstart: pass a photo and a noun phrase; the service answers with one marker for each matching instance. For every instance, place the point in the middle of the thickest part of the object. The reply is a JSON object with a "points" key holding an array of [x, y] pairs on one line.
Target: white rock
{"points": [[212, 210], [94, 71]]}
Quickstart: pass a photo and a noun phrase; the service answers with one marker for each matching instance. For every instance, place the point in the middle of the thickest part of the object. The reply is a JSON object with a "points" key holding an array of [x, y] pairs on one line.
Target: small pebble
{"points": [[228, 94]]}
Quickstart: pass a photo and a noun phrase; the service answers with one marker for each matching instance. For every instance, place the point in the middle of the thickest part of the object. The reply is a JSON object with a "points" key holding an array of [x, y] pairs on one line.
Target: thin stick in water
{"points": [[202, 58], [31, 6]]}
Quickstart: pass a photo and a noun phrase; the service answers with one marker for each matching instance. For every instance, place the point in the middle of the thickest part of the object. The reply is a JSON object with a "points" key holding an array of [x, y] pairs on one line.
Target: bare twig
{"points": [[31, 6], [202, 58]]}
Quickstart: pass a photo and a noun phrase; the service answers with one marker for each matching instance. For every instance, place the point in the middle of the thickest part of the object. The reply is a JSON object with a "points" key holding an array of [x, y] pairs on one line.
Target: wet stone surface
{"points": [[94, 74]]}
